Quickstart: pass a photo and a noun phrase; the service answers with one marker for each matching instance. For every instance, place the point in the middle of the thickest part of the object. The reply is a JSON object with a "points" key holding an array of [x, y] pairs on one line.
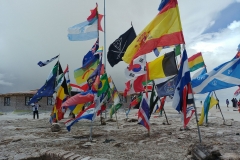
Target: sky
{"points": [[37, 30]]}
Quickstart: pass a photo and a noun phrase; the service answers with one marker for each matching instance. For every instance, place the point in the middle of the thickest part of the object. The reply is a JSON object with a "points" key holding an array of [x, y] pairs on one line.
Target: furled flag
{"points": [[138, 68], [164, 30], [167, 88], [90, 57], [86, 30], [183, 79], [114, 109], [162, 102], [144, 113], [187, 105], [40, 63], [68, 80], [118, 47], [209, 102], [47, 89], [162, 66], [224, 76], [237, 92], [195, 62], [88, 113], [79, 98], [82, 74]]}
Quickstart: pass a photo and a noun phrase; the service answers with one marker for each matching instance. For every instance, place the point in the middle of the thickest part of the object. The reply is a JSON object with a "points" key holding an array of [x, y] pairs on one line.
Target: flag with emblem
{"points": [[138, 68]]}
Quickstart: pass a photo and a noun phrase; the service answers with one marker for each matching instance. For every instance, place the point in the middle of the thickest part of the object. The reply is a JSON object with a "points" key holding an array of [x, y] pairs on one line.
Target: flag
{"points": [[195, 62], [224, 76], [177, 50], [86, 30], [144, 113], [114, 109], [162, 102], [134, 85], [200, 73], [209, 102], [164, 30], [183, 79], [75, 109], [103, 85], [68, 79], [138, 68], [237, 92], [88, 113], [162, 66], [136, 101], [90, 57], [167, 88], [41, 64], [58, 103], [47, 89], [82, 74], [187, 104], [103, 108], [79, 98], [117, 49], [157, 107]]}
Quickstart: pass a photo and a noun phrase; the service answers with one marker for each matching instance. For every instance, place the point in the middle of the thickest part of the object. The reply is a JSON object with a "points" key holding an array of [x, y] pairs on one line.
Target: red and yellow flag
{"points": [[164, 30]]}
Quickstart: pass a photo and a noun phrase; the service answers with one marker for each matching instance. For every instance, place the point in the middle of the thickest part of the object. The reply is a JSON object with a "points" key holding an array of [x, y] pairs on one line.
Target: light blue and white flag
{"points": [[199, 73], [183, 79], [40, 63], [84, 31], [224, 76]]}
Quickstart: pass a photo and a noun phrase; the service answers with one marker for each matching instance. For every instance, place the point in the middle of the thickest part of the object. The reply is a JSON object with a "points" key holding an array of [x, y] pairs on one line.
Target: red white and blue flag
{"points": [[144, 113], [88, 113]]}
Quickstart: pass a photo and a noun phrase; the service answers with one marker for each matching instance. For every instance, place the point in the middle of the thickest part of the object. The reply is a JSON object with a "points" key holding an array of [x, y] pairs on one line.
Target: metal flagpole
{"points": [[105, 56], [90, 138]]}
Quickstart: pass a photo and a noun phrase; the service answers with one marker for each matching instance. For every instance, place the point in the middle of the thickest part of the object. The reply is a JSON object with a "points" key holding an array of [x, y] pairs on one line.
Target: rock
{"points": [[118, 145], [16, 140], [230, 156], [132, 120], [237, 133], [55, 127]]}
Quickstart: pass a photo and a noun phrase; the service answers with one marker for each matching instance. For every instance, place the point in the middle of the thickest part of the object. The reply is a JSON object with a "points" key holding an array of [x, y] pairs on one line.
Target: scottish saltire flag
{"points": [[183, 79], [144, 113], [86, 30], [88, 113], [138, 68], [44, 63], [224, 76], [200, 73], [90, 57]]}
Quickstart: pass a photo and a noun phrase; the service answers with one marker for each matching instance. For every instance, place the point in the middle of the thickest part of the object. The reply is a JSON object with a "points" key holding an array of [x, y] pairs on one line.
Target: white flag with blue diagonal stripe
{"points": [[224, 76], [44, 63]]}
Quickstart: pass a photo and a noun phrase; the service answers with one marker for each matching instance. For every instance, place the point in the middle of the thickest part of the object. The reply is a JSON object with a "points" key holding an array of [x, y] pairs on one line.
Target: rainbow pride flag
{"points": [[195, 62]]}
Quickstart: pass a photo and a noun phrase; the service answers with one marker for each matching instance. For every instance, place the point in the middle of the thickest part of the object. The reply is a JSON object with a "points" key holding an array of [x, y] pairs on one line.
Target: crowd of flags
{"points": [[163, 77]]}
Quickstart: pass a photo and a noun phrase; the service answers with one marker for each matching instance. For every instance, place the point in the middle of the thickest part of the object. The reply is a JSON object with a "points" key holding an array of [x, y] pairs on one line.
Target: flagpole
{"points": [[116, 116], [90, 138], [105, 59]]}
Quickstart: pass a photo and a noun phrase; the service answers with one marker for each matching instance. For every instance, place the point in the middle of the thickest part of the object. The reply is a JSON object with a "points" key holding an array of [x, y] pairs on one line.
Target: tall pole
{"points": [[105, 55]]}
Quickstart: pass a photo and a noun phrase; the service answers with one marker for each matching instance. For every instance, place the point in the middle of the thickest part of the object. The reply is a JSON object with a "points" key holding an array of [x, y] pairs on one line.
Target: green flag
{"points": [[114, 108], [177, 50], [104, 85]]}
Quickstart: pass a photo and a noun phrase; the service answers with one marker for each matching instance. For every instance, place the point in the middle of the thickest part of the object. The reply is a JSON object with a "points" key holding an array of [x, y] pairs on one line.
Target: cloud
{"points": [[234, 25], [3, 82]]}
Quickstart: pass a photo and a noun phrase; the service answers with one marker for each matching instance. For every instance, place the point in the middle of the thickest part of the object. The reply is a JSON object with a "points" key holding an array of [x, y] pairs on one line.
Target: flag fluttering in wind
{"points": [[103, 85], [114, 109], [88, 113], [118, 47], [164, 30], [162, 66], [86, 30], [90, 56], [166, 88], [144, 113], [209, 102], [200, 73], [47, 89], [134, 85], [138, 68], [183, 79], [224, 76], [195, 62], [44, 63]]}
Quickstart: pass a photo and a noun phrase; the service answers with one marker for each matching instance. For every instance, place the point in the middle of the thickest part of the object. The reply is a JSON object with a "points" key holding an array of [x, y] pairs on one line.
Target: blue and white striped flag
{"points": [[183, 79], [224, 76], [41, 64]]}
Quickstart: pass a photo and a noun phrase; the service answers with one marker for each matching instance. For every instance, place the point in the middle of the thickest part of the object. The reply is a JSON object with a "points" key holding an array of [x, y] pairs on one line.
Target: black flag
{"points": [[117, 49]]}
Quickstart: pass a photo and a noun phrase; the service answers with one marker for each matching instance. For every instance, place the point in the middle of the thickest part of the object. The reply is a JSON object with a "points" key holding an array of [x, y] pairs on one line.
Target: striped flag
{"points": [[237, 92], [44, 63], [183, 79], [195, 62], [144, 113]]}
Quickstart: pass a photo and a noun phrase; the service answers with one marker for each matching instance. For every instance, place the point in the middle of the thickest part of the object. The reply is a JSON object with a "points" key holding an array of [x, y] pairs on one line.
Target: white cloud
{"points": [[234, 25]]}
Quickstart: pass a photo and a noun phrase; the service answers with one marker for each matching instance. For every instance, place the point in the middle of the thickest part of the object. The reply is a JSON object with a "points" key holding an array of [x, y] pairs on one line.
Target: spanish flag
{"points": [[164, 30], [195, 62]]}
